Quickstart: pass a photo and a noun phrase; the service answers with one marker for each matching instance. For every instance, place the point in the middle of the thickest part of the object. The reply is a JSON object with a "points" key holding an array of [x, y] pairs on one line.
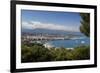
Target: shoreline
{"points": [[48, 45]]}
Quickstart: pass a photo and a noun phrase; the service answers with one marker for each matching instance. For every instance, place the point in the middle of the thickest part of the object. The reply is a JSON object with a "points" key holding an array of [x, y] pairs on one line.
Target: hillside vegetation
{"points": [[38, 53]]}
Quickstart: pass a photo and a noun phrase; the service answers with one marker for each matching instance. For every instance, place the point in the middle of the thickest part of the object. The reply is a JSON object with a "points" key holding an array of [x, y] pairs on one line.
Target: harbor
{"points": [[56, 41]]}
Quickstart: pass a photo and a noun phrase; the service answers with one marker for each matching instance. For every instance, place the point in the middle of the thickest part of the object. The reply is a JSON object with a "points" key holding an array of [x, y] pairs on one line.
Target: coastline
{"points": [[48, 45]]}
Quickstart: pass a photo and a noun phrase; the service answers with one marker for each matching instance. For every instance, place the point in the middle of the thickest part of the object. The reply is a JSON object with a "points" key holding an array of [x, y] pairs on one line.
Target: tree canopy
{"points": [[38, 53], [85, 24]]}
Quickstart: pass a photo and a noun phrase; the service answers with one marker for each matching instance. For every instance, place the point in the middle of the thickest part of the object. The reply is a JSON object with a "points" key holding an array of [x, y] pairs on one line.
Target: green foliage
{"points": [[35, 53], [38, 53], [85, 23], [60, 54], [81, 52]]}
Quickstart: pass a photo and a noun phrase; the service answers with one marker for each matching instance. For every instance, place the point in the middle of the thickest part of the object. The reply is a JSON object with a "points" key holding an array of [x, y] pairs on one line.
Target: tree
{"points": [[81, 53], [35, 53], [85, 24]]}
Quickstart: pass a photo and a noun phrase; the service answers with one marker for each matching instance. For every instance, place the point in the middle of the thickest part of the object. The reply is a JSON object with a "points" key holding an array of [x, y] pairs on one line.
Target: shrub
{"points": [[38, 53]]}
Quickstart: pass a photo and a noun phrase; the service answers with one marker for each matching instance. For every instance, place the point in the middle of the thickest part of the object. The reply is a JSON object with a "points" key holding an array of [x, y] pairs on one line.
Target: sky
{"points": [[66, 21]]}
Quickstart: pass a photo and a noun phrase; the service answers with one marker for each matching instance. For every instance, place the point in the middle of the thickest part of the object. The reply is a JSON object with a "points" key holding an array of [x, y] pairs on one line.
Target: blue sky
{"points": [[68, 21]]}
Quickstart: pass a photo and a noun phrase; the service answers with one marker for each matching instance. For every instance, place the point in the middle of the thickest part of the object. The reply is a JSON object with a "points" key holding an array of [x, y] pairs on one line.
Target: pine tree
{"points": [[85, 24]]}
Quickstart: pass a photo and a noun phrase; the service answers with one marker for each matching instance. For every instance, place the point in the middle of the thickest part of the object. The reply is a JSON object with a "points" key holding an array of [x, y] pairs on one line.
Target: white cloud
{"points": [[35, 25]]}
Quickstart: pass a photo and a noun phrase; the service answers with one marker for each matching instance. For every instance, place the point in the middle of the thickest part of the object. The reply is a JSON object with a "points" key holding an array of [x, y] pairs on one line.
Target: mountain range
{"points": [[48, 31]]}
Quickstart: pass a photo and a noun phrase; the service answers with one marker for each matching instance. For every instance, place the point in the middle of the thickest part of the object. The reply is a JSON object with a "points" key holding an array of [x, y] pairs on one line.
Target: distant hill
{"points": [[47, 31]]}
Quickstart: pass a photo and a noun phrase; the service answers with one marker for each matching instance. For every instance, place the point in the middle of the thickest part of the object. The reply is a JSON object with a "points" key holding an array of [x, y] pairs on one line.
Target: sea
{"points": [[71, 43]]}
